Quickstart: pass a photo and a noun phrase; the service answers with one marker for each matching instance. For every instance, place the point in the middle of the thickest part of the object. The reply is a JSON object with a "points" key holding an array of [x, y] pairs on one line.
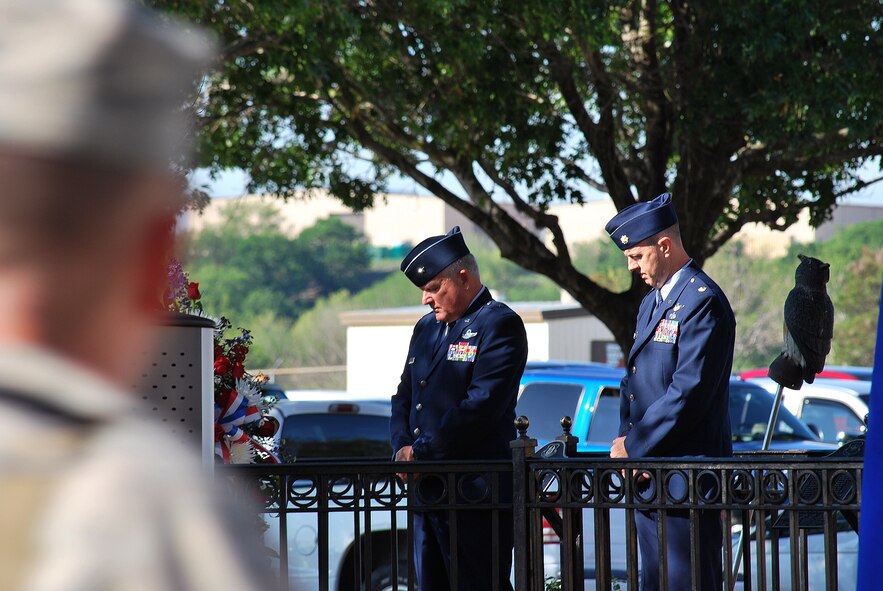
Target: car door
{"points": [[833, 420]]}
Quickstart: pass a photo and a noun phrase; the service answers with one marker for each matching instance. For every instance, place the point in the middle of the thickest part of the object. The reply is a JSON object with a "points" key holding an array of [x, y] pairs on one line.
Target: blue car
{"points": [[589, 394]]}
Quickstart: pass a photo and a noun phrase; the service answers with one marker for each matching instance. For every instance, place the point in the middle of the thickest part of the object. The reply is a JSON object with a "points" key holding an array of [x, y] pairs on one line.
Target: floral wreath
{"points": [[243, 431]]}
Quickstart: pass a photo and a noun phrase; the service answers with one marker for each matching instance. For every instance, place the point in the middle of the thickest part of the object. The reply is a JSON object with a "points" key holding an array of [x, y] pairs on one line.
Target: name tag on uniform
{"points": [[666, 332], [462, 351]]}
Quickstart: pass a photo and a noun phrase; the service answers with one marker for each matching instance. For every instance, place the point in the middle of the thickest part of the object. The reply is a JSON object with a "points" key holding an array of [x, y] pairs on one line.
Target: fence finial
{"points": [[521, 424]]}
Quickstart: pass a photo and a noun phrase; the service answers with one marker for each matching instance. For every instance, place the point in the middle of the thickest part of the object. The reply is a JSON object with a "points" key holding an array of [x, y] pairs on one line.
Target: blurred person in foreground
{"points": [[91, 113], [674, 400], [456, 401]]}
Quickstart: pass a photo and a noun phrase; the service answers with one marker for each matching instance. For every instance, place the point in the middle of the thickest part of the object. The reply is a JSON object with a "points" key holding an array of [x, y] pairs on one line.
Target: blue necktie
{"points": [[656, 302], [442, 333]]}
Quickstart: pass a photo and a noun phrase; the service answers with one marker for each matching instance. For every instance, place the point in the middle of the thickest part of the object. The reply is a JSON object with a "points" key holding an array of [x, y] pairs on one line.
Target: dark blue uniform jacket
{"points": [[457, 400], [674, 398]]}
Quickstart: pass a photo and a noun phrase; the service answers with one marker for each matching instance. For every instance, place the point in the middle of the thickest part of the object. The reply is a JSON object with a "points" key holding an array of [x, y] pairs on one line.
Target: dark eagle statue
{"points": [[809, 326]]}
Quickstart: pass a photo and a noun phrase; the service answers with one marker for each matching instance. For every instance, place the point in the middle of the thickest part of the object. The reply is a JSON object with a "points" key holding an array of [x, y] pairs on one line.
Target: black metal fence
{"points": [[347, 526]]}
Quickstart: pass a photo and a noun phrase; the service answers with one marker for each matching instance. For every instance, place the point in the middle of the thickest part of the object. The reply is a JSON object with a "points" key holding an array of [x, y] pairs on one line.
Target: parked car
{"points": [[589, 394], [836, 410], [337, 429], [551, 390]]}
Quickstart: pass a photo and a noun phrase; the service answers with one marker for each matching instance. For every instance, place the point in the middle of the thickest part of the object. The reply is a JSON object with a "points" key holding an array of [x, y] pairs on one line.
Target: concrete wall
{"points": [[571, 338], [376, 356]]}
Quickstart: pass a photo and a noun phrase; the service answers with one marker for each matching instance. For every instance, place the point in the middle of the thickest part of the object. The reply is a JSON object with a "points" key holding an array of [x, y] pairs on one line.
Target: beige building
{"points": [[377, 341]]}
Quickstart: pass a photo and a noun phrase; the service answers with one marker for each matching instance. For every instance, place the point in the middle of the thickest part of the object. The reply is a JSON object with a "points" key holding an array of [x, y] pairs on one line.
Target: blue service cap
{"points": [[433, 255], [641, 221]]}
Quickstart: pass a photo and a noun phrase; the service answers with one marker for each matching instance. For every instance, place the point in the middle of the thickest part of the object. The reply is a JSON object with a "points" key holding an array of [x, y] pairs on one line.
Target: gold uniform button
{"points": [[422, 383], [632, 397], [419, 406], [417, 432]]}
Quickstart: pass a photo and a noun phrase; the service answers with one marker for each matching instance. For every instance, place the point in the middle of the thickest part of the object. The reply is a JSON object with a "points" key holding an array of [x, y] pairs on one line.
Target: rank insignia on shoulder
{"points": [[666, 332], [462, 351], [469, 333], [703, 289]]}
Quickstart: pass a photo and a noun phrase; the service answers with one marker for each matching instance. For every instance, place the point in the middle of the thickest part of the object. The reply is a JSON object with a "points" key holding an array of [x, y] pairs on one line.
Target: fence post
{"points": [[522, 448]]}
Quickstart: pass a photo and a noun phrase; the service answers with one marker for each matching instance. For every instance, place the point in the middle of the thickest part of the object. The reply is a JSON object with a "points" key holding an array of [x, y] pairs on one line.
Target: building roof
{"points": [[530, 312]]}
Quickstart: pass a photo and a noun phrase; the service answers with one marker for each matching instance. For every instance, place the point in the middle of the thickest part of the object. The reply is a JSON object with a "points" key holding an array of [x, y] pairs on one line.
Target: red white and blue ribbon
{"points": [[232, 443]]}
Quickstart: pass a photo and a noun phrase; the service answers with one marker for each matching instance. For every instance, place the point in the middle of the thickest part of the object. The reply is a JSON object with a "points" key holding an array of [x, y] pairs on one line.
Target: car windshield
{"points": [[605, 417], [750, 407], [329, 435], [544, 403]]}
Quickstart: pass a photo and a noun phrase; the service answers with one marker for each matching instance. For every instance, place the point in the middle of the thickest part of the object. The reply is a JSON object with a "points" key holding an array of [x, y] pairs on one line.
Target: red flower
{"points": [[219, 350], [193, 290], [238, 352], [222, 366], [238, 370]]}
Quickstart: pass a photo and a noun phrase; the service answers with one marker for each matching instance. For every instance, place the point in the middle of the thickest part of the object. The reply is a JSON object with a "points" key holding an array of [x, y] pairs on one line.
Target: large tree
{"points": [[747, 111]]}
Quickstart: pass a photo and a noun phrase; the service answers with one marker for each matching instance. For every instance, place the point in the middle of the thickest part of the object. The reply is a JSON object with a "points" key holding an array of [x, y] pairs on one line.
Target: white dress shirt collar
{"points": [[669, 285]]}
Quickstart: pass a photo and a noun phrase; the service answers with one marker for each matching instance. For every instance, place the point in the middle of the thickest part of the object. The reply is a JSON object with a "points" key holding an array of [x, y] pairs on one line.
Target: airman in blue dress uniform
{"points": [[456, 401], [675, 396]]}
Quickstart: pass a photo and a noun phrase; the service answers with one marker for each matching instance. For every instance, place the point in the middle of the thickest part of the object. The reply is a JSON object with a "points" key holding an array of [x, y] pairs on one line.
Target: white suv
{"points": [[836, 409]]}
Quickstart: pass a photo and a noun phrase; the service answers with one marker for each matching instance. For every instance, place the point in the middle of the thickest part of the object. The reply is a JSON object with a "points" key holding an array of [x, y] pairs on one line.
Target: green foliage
{"points": [[304, 83], [603, 262], [320, 340], [749, 111], [856, 310], [253, 267], [513, 283], [757, 289]]}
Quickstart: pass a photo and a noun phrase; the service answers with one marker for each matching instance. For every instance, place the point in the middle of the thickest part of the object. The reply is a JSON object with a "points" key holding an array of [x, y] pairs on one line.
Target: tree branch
{"points": [[601, 137], [858, 187], [577, 171], [760, 159], [541, 219], [658, 110]]}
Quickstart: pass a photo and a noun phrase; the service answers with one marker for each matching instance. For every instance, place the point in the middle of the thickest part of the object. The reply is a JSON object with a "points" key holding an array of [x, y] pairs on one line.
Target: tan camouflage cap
{"points": [[101, 79]]}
